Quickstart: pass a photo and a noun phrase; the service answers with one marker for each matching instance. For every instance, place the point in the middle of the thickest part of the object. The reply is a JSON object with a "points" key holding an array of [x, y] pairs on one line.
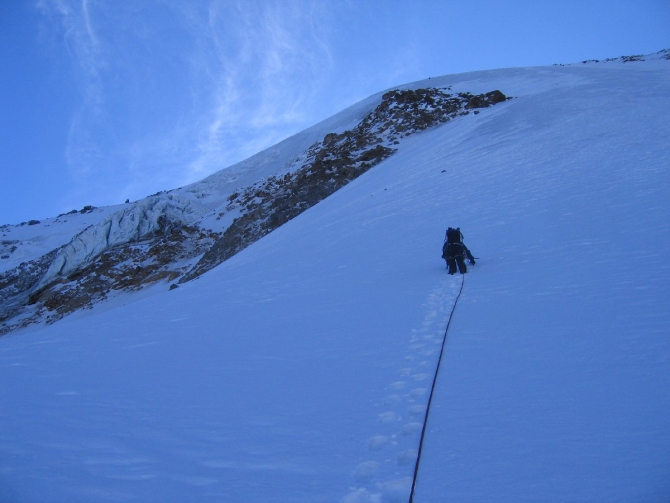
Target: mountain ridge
{"points": [[152, 240]]}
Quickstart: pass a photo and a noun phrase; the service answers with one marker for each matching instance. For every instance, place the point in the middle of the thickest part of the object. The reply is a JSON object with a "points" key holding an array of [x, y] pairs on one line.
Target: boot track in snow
{"points": [[432, 391]]}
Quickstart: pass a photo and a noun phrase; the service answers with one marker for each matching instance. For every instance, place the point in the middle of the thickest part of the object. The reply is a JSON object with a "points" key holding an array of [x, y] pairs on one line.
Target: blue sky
{"points": [[107, 100]]}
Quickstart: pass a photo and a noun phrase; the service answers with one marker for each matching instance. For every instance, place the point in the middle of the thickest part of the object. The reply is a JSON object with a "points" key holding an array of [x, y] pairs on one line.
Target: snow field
{"points": [[556, 372], [299, 370], [249, 374]]}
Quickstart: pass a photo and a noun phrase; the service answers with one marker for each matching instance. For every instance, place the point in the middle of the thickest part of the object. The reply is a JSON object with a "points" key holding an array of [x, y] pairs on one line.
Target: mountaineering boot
{"points": [[451, 264], [462, 268]]}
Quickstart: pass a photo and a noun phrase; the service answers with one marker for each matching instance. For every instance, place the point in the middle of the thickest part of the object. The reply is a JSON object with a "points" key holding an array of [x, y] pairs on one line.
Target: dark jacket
{"points": [[455, 250]]}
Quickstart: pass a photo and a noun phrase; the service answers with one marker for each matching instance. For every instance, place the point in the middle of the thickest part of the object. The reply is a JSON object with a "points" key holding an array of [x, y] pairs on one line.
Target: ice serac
{"points": [[149, 216]]}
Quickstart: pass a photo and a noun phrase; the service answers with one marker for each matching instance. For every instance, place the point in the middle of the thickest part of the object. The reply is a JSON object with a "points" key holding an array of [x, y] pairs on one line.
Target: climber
{"points": [[455, 252]]}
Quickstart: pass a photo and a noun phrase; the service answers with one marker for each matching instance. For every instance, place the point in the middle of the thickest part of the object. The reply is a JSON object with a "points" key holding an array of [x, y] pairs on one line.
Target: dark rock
{"points": [[630, 59], [486, 100], [127, 267]]}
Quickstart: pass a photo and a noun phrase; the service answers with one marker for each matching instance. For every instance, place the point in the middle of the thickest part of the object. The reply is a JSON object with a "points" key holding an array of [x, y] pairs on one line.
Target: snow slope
{"points": [[298, 370]]}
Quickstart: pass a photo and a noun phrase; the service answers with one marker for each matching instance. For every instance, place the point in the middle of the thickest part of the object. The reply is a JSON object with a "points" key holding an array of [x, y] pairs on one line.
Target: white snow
{"points": [[299, 370], [33, 241], [128, 224]]}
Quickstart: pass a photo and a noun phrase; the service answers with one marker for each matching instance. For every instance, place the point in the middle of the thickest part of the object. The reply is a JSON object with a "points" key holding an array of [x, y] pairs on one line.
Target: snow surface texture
{"points": [[298, 370]]}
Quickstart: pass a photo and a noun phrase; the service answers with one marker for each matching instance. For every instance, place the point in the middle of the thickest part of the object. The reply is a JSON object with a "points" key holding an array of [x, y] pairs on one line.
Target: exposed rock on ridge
{"points": [[334, 162], [163, 237]]}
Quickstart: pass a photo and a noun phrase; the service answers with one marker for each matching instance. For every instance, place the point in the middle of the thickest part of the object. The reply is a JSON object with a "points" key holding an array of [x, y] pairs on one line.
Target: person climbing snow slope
{"points": [[455, 252]]}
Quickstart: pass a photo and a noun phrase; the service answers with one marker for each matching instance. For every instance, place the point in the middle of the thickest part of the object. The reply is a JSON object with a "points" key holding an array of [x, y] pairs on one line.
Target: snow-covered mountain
{"points": [[184, 233], [297, 367]]}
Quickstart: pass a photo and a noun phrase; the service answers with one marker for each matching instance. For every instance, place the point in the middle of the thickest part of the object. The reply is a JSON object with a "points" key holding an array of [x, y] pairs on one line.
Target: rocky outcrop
{"points": [[335, 161], [162, 256], [127, 250], [17, 282], [664, 54]]}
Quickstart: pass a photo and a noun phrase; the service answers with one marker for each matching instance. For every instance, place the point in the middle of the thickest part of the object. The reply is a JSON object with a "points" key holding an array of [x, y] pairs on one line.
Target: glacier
{"points": [[133, 223]]}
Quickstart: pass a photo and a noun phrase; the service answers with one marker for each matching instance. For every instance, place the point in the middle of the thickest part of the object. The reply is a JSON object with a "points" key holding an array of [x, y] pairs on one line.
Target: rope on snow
{"points": [[432, 390]]}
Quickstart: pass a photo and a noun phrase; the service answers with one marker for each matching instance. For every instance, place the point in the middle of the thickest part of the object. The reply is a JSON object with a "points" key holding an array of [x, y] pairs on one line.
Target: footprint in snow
{"points": [[411, 428], [366, 471], [417, 410], [422, 347], [377, 442], [392, 400], [361, 495], [417, 392], [388, 417], [407, 457]]}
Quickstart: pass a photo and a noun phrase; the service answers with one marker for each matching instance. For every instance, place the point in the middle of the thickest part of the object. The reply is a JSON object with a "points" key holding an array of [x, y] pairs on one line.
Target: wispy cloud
{"points": [[171, 92], [71, 20], [266, 61]]}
